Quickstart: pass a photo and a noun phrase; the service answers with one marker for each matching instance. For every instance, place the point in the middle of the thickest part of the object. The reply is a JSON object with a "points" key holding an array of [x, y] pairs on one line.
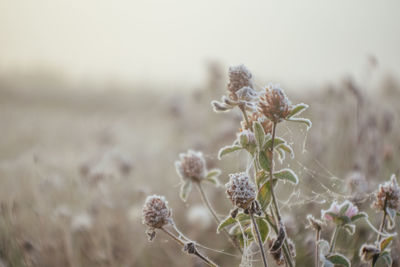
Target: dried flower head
{"points": [[314, 223], [336, 210], [191, 165], [388, 193], [239, 77], [274, 104], [156, 212], [368, 252], [241, 191], [278, 255]]}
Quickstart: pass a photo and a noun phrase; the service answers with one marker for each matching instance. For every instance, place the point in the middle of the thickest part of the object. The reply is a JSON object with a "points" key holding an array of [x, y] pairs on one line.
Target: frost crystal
{"points": [[156, 212], [191, 165], [241, 191]]}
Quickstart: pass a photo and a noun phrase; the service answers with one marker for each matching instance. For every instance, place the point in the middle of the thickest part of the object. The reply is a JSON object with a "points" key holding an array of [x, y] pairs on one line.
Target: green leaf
{"points": [[391, 217], [261, 177], [225, 222], [186, 187], [287, 175], [338, 259], [301, 120], [264, 195], [385, 242], [286, 147], [359, 216], [264, 161], [297, 109], [228, 149], [259, 133], [263, 228], [212, 176], [385, 255], [344, 209], [277, 141]]}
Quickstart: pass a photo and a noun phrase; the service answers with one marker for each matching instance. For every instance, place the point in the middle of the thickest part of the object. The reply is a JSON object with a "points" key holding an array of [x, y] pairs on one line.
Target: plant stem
{"points": [[286, 253], [243, 109], [214, 214], [317, 236], [334, 237], [195, 252], [260, 243], [383, 222]]}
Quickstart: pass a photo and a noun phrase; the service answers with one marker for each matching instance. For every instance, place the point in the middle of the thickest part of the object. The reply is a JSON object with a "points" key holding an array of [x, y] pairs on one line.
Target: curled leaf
{"points": [[228, 149]]}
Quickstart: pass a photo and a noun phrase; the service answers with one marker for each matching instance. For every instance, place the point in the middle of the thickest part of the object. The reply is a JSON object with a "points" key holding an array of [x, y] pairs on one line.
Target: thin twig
{"points": [[206, 202], [260, 243], [383, 222], [317, 237], [194, 252]]}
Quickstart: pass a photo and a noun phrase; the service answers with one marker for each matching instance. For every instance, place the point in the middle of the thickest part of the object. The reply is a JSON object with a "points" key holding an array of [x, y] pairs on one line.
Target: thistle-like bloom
{"points": [[388, 192], [278, 255], [335, 210], [368, 252], [241, 191], [274, 104], [156, 212], [239, 77], [191, 165]]}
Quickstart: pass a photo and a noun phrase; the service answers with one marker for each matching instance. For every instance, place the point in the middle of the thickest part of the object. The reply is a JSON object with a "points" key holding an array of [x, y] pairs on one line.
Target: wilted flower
{"points": [[368, 252], [156, 212], [239, 77], [335, 211], [274, 104], [388, 193], [241, 191], [278, 255], [314, 223], [191, 165]]}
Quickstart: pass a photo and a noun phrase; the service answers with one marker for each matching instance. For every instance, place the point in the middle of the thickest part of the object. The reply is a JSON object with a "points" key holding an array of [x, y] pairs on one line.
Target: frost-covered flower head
{"points": [[336, 211], [388, 192], [265, 122], [246, 137], [241, 191], [156, 212], [239, 77], [274, 104], [191, 165]]}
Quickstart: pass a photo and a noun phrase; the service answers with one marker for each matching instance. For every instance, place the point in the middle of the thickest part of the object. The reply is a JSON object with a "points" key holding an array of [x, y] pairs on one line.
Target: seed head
{"points": [[368, 252], [191, 165], [274, 104], [388, 192], [241, 191], [239, 77], [156, 212]]}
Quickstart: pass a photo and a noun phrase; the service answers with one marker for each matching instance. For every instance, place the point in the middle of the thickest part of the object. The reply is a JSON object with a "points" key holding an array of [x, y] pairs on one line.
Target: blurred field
{"points": [[77, 164]]}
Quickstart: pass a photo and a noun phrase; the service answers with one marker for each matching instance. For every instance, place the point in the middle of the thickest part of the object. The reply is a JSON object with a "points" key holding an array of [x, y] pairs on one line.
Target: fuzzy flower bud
{"points": [[241, 191], [368, 252], [156, 212], [274, 104], [239, 77], [191, 165], [388, 192], [246, 138]]}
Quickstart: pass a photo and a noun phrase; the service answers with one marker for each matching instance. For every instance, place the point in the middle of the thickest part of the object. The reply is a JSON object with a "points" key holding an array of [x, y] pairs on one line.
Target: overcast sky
{"points": [[170, 40]]}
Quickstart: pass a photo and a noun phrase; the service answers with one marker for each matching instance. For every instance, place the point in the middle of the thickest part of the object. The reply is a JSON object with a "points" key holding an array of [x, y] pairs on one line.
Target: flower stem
{"points": [[317, 237], [206, 202], [286, 253], [383, 222], [194, 252], [243, 109], [334, 237], [260, 243]]}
